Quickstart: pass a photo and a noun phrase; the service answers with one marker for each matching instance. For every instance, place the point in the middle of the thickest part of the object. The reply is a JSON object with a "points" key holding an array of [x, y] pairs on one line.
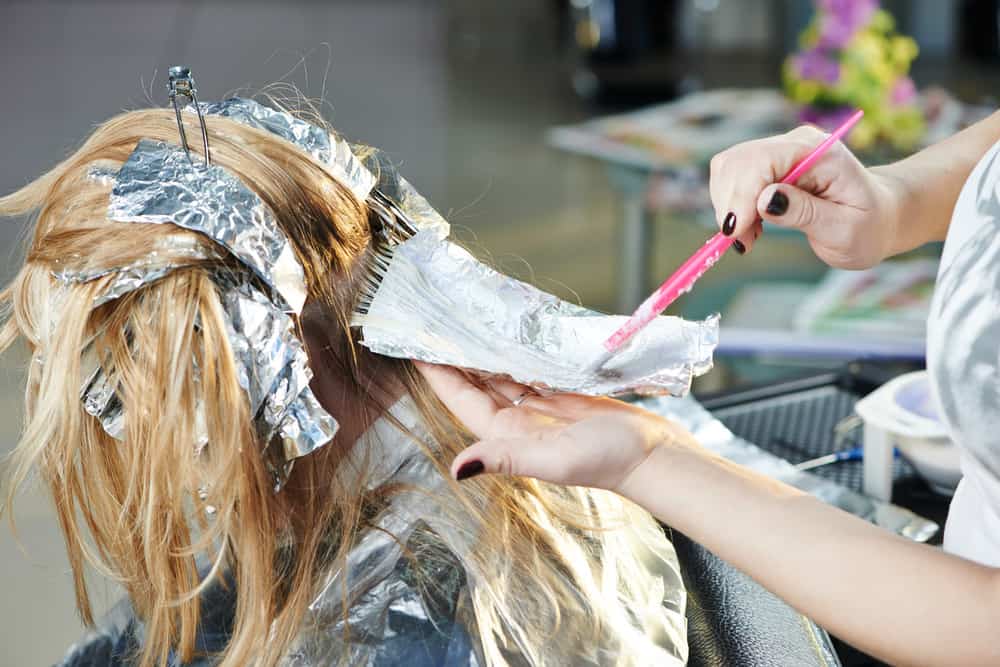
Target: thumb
{"points": [[528, 457], [788, 206]]}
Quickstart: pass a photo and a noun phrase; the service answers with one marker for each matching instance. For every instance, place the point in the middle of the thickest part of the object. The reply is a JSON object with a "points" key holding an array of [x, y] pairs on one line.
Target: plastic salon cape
{"points": [[393, 621]]}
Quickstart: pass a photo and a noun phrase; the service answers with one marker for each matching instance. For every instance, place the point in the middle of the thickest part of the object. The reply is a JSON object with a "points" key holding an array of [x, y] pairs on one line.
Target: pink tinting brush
{"points": [[684, 278]]}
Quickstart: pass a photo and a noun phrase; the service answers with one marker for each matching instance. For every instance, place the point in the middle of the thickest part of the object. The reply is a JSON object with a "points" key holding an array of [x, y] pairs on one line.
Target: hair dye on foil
{"points": [[438, 304]]}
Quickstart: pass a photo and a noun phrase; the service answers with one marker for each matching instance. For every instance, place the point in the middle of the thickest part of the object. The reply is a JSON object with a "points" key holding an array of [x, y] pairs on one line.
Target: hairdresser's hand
{"points": [[849, 213], [563, 438]]}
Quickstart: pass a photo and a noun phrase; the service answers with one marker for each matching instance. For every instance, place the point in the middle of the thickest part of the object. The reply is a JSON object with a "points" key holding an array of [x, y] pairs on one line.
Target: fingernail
{"points": [[778, 204], [729, 224], [469, 469], [740, 248]]}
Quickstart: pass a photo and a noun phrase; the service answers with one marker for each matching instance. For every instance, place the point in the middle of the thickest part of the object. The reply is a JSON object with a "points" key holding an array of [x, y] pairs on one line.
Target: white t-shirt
{"points": [[963, 358]]}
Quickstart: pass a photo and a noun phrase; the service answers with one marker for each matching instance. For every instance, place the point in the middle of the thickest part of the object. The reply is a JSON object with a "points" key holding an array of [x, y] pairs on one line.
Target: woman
{"points": [[902, 602], [164, 475]]}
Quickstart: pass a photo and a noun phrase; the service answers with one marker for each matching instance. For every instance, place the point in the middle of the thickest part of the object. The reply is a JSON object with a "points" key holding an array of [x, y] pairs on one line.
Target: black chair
{"points": [[734, 622]]}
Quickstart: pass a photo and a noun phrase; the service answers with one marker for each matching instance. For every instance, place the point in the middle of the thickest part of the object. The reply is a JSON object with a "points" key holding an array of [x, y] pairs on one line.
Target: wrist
{"points": [[639, 476], [893, 195], [664, 453]]}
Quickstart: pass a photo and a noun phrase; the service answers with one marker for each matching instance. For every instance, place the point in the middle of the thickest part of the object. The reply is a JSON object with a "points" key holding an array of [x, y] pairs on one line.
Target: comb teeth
{"points": [[394, 228]]}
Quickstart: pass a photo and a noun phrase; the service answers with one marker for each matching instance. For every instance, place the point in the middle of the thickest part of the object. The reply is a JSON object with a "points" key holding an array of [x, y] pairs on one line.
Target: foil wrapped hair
{"points": [[425, 298], [158, 184]]}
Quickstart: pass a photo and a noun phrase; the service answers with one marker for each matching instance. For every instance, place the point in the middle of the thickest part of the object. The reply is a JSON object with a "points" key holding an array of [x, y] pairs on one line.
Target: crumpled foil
{"points": [[169, 255], [273, 370], [160, 184], [359, 175], [319, 143], [713, 435], [436, 303]]}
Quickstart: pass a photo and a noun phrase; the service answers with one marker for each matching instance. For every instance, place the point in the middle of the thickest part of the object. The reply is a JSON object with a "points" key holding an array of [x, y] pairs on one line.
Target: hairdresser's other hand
{"points": [[562, 438], [849, 213]]}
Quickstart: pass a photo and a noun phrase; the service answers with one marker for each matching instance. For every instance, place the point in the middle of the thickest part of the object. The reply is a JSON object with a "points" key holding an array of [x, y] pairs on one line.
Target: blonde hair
{"points": [[135, 509]]}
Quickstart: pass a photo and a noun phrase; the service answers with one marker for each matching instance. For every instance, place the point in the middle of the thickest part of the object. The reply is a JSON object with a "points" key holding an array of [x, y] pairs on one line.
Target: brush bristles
{"points": [[390, 227]]}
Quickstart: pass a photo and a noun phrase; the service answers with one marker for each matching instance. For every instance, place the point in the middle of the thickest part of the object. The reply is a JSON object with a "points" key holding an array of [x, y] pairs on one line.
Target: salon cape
{"points": [[393, 619], [963, 359]]}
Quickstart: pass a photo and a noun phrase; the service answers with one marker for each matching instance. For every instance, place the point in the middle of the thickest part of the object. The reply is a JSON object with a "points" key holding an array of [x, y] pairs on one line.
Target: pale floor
{"points": [[460, 96]]}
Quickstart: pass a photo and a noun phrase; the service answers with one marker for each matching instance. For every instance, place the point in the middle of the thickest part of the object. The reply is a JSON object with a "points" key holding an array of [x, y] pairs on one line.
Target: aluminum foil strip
{"points": [[324, 147], [436, 303], [359, 176], [171, 253], [102, 173], [99, 397], [159, 184], [714, 435], [273, 370]]}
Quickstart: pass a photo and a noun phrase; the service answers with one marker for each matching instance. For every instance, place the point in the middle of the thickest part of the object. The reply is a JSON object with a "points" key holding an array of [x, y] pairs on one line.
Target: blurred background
{"points": [[566, 141]]}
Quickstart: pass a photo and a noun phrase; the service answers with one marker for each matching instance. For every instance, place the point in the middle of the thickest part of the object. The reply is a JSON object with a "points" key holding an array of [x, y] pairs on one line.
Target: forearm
{"points": [[927, 184], [903, 602]]}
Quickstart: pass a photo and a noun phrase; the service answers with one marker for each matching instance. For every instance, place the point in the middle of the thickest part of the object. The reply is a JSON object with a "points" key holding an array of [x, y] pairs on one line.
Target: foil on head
{"points": [[171, 253], [159, 184], [333, 152], [437, 303], [273, 370]]}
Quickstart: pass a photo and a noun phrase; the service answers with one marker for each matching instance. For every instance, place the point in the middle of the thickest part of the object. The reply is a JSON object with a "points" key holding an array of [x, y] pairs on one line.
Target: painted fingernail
{"points": [[740, 248], [469, 469], [729, 224], [778, 204]]}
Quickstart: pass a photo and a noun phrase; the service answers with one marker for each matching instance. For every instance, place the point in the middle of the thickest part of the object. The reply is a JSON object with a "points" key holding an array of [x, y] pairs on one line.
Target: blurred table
{"points": [[667, 144]]}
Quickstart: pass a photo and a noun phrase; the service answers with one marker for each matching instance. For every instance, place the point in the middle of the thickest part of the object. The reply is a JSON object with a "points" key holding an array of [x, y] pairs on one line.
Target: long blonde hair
{"points": [[135, 509]]}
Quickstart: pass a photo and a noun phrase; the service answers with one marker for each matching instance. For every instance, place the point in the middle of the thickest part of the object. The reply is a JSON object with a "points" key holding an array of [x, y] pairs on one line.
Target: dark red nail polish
{"points": [[729, 224], [469, 469], [778, 204], [739, 247]]}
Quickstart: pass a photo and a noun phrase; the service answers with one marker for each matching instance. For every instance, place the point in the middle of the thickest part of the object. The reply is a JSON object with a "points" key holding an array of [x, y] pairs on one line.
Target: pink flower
{"points": [[827, 119], [903, 92], [841, 19], [816, 65]]}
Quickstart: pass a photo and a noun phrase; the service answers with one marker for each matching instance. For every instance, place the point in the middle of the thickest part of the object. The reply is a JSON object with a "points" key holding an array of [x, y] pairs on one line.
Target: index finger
{"points": [[473, 406]]}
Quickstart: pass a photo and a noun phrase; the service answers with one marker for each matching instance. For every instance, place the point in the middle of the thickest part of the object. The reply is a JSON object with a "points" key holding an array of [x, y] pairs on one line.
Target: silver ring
{"points": [[522, 398]]}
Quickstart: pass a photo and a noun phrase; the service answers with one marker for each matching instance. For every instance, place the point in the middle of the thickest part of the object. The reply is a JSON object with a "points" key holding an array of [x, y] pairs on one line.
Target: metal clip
{"points": [[181, 83]]}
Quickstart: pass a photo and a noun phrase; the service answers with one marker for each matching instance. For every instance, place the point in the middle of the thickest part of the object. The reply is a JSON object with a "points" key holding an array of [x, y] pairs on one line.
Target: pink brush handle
{"points": [[672, 287], [684, 278]]}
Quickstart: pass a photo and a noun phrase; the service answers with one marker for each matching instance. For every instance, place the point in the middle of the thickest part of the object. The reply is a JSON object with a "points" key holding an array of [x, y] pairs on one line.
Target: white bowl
{"points": [[905, 411], [935, 459]]}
